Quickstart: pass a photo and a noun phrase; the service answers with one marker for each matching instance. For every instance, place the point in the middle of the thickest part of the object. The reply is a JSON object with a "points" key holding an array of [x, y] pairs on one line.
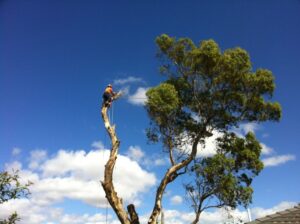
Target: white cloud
{"points": [[206, 149], [74, 169], [266, 150], [249, 127], [176, 200], [243, 129], [139, 97], [54, 186], [130, 79], [16, 151], [154, 160], [74, 175], [28, 211], [33, 213], [14, 166], [259, 212], [210, 146], [97, 145], [135, 153], [278, 160], [160, 162]]}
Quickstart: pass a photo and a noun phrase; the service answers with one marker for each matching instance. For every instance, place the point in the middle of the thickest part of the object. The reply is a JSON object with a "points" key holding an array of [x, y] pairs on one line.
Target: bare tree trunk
{"points": [[111, 195]]}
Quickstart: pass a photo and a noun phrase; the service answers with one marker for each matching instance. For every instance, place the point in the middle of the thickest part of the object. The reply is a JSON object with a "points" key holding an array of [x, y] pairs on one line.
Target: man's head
{"points": [[109, 85]]}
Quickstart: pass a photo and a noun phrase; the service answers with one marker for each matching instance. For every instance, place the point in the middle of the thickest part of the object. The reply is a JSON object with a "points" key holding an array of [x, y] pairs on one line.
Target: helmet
{"points": [[109, 85]]}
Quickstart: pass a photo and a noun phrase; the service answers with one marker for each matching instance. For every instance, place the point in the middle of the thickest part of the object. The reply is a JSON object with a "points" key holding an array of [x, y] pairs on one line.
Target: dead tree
{"points": [[114, 200]]}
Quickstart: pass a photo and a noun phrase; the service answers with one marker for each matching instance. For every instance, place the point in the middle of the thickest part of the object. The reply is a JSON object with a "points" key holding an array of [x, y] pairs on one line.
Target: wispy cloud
{"points": [[36, 157], [243, 129], [154, 160], [124, 85], [97, 145], [139, 97], [249, 127], [176, 200], [130, 79], [135, 153], [266, 150], [16, 151], [278, 160]]}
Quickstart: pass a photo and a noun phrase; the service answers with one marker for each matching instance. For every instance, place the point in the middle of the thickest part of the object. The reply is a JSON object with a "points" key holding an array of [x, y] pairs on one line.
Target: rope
{"points": [[103, 157], [106, 212], [112, 114]]}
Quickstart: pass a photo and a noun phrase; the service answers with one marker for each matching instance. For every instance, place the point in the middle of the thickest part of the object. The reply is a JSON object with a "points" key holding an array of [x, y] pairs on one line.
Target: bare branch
{"points": [[108, 186]]}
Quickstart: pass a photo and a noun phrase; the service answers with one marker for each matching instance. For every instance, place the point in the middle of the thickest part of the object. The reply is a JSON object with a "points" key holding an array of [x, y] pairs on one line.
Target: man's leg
{"points": [[105, 100]]}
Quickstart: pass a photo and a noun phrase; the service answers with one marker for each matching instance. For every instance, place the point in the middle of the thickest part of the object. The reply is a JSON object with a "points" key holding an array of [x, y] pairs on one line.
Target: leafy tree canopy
{"points": [[206, 89]]}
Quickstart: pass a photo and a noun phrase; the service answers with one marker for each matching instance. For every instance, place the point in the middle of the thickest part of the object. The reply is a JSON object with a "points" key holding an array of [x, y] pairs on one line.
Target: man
{"points": [[108, 95]]}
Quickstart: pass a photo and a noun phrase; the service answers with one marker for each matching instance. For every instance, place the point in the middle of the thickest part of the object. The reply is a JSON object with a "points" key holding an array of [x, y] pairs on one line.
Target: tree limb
{"points": [[170, 176]]}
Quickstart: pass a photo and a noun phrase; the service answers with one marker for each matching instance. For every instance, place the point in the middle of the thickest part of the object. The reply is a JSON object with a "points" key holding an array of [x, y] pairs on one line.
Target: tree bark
{"points": [[114, 200], [197, 217], [196, 220], [133, 215]]}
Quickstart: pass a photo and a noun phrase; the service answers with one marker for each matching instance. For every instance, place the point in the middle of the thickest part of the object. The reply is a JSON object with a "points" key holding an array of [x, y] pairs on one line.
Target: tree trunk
{"points": [[196, 220], [133, 215], [170, 176], [111, 195]]}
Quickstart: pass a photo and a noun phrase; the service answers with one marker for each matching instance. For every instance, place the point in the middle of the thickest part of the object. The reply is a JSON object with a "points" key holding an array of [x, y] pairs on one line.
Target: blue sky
{"points": [[56, 58]]}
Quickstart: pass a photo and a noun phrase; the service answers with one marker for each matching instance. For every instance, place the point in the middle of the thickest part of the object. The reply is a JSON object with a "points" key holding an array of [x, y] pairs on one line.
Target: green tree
{"points": [[11, 188], [205, 90], [225, 178]]}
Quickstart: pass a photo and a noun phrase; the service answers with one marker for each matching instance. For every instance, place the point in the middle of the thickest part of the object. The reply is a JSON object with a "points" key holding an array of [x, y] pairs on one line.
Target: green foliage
{"points": [[11, 188], [219, 88], [162, 102], [227, 176], [162, 106], [12, 219]]}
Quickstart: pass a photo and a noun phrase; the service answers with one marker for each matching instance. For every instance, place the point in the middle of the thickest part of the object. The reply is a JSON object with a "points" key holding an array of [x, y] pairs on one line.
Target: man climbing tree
{"points": [[108, 96], [205, 90]]}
